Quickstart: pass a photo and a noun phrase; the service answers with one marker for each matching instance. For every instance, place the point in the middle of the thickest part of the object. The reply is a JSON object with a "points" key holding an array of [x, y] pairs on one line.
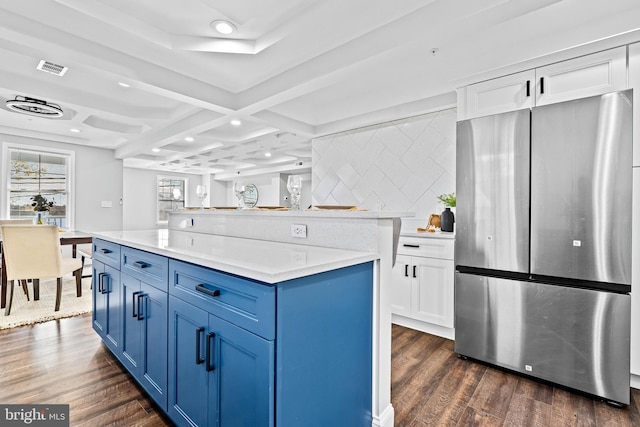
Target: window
{"points": [[33, 173], [170, 196]]}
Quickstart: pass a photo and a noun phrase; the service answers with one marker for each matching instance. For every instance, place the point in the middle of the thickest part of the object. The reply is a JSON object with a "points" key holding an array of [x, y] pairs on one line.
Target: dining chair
{"points": [[84, 252], [17, 222], [33, 252]]}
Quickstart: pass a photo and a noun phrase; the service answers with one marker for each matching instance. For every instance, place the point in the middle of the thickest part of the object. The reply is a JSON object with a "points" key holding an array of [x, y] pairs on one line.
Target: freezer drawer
{"points": [[574, 337]]}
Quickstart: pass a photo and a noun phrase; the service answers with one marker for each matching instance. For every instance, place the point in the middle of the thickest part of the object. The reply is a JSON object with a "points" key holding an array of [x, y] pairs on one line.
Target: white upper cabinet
{"points": [[588, 75], [508, 93], [580, 77]]}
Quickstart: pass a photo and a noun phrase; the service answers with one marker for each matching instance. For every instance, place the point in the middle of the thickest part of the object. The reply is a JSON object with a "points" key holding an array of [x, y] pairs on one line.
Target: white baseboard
{"points": [[428, 328], [385, 419], [635, 381]]}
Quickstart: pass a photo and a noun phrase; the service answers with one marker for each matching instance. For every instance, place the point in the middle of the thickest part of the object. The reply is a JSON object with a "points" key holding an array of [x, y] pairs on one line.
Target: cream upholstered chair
{"points": [[33, 252], [17, 222]]}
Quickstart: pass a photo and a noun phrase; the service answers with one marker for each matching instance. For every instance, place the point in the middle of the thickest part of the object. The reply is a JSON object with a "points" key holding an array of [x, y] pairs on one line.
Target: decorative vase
{"points": [[446, 220], [38, 217]]}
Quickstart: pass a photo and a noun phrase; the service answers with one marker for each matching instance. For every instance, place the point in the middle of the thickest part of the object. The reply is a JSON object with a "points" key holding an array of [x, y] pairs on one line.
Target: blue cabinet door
{"points": [[219, 374], [242, 390], [144, 341], [132, 325], [153, 371], [188, 379], [107, 305], [99, 314]]}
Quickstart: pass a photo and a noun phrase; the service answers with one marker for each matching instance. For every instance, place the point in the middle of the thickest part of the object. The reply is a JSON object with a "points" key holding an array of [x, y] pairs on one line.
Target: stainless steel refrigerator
{"points": [[543, 242]]}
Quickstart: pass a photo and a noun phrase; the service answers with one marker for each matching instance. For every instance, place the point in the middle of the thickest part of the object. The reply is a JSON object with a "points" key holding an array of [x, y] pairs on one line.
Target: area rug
{"points": [[25, 312]]}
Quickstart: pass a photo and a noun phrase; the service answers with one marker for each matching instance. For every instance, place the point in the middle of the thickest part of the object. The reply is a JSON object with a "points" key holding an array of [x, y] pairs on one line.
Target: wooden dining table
{"points": [[73, 238]]}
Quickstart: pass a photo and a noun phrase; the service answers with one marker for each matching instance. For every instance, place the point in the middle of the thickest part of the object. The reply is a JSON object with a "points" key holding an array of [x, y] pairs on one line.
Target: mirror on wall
{"points": [[250, 195]]}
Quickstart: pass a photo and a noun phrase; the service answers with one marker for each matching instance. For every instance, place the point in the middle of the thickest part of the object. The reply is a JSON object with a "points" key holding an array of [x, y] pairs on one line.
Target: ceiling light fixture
{"points": [[155, 149], [223, 27], [235, 122], [267, 154], [123, 84], [188, 138], [74, 130], [34, 107]]}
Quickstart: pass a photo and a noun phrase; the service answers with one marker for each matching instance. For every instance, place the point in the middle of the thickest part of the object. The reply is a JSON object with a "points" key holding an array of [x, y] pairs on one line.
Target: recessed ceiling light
{"points": [[155, 149], [267, 154], [74, 130], [236, 122], [223, 27], [123, 84], [188, 138]]}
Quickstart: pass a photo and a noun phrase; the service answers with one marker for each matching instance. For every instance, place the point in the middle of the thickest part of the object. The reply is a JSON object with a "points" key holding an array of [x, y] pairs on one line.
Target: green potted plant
{"points": [[447, 217], [40, 204], [448, 199]]}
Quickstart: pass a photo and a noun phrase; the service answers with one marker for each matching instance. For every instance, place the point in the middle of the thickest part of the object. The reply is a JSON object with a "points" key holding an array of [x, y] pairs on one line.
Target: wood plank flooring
{"points": [[431, 386], [64, 361]]}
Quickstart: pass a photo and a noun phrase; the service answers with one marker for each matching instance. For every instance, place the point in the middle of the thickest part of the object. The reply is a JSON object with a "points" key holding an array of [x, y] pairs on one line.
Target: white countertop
{"points": [[435, 235], [317, 213], [266, 261]]}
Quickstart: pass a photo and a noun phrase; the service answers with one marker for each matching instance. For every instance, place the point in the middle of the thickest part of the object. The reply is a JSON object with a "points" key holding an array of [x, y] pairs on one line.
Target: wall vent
{"points": [[50, 67]]}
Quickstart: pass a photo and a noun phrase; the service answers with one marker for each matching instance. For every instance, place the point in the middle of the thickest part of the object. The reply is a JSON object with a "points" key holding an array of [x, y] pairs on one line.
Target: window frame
{"points": [[8, 147], [185, 182]]}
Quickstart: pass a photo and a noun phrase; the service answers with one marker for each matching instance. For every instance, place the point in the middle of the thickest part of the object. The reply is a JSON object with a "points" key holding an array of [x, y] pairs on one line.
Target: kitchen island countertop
{"points": [[266, 261]]}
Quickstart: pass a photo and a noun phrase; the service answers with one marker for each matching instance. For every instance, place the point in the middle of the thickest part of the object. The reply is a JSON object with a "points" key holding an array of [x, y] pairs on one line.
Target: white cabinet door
{"points": [[432, 296], [584, 76], [508, 93], [401, 286], [580, 77], [634, 83]]}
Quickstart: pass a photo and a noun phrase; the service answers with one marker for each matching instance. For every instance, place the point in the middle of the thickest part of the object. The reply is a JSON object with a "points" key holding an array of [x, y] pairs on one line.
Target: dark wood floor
{"points": [[431, 386], [64, 362]]}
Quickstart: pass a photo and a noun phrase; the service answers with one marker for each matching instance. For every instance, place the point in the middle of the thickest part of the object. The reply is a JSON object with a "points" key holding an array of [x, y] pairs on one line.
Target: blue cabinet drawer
{"points": [[246, 303], [107, 252], [146, 267]]}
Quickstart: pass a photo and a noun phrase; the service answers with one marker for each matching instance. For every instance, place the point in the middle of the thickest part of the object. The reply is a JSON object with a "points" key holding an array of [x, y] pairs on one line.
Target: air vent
{"points": [[49, 67], [34, 107]]}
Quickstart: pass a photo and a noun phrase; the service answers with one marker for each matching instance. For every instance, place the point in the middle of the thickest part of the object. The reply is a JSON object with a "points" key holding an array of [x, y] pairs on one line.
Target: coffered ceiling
{"points": [[293, 70]]}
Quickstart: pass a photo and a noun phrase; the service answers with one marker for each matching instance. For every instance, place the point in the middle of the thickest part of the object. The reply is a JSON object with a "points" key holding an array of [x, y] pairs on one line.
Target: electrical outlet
{"points": [[299, 230]]}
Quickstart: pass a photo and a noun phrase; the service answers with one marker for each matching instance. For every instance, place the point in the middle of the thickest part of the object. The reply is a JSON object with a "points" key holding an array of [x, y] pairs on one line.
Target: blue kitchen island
{"points": [[222, 330]]}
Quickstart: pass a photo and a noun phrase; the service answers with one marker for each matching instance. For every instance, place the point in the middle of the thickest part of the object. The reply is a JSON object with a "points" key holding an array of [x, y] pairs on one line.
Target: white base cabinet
{"points": [[422, 289]]}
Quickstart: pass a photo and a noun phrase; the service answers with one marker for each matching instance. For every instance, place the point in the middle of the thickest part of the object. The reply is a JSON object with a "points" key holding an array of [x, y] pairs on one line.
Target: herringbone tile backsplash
{"points": [[397, 166]]}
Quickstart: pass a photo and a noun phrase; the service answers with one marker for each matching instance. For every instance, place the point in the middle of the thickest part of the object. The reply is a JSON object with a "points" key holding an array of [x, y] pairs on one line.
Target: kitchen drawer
{"points": [[245, 303], [107, 252], [430, 247], [146, 267]]}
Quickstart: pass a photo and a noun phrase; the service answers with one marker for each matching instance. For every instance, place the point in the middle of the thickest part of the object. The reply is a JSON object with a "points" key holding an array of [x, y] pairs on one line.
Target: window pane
{"points": [[170, 196], [43, 174]]}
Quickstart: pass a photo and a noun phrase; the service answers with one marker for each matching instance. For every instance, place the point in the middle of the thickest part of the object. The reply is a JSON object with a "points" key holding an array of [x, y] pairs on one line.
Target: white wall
{"points": [[397, 166], [98, 177], [140, 197]]}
